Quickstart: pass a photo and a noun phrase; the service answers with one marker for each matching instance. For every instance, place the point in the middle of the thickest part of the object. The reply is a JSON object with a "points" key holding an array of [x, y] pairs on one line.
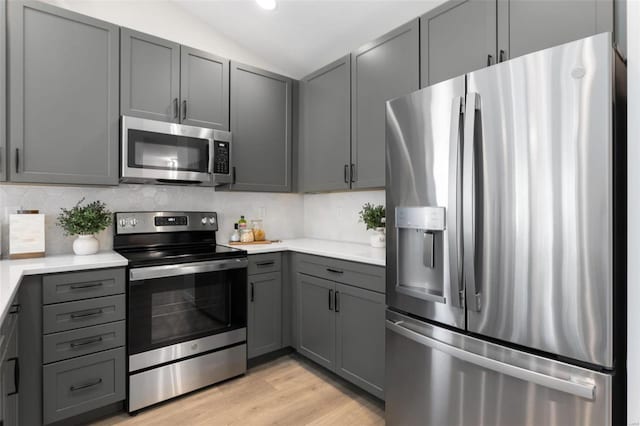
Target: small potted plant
{"points": [[374, 218], [85, 221]]}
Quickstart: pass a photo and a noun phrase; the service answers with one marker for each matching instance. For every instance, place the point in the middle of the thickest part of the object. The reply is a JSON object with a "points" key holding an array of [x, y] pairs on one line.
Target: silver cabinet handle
{"points": [[346, 173], [469, 202], [176, 108], [139, 274], [86, 314], [17, 160], [184, 109], [489, 60], [85, 286], [353, 175], [252, 295], [454, 227], [502, 56], [268, 263], [76, 344], [336, 302], [581, 390], [331, 300]]}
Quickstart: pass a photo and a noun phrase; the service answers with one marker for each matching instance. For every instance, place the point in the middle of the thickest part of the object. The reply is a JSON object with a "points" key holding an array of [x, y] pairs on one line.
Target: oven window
{"points": [[165, 311], [160, 151]]}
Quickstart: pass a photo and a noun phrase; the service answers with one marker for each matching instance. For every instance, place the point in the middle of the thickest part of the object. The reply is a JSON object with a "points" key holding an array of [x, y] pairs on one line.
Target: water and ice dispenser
{"points": [[421, 252]]}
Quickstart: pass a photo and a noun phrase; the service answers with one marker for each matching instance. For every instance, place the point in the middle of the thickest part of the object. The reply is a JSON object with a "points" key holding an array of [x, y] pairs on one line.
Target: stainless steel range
{"points": [[186, 304]]}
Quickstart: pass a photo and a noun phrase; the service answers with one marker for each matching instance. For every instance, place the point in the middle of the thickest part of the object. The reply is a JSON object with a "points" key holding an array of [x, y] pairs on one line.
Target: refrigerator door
{"points": [[423, 175], [537, 209], [435, 376]]}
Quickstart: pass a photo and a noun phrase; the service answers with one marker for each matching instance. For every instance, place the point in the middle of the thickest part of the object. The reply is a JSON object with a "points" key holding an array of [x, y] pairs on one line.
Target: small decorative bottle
{"points": [[235, 236]]}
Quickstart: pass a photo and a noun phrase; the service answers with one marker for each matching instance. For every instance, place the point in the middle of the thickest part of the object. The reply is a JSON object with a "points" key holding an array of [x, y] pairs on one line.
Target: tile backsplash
{"points": [[282, 213], [332, 216]]}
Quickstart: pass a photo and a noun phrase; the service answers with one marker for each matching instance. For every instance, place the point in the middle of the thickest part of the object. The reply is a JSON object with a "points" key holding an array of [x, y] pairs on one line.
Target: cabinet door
{"points": [[264, 314], [360, 337], [261, 126], [204, 87], [316, 320], [456, 38], [3, 90], [326, 98], [150, 72], [63, 84], [381, 70], [525, 26], [10, 382]]}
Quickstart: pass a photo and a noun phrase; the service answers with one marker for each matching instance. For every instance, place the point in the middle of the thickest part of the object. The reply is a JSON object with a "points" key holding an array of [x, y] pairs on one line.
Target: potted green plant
{"points": [[374, 218], [85, 221]]}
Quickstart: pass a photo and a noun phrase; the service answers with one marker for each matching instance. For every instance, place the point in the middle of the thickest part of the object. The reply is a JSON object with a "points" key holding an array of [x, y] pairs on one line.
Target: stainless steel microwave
{"points": [[170, 153]]}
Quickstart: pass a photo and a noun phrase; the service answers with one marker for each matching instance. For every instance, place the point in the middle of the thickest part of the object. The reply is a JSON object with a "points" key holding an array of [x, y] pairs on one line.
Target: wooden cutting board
{"points": [[252, 242]]}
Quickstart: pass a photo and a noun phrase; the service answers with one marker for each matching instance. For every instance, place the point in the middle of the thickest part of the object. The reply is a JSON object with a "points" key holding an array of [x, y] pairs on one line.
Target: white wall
{"points": [[633, 213], [334, 216], [167, 20], [282, 213]]}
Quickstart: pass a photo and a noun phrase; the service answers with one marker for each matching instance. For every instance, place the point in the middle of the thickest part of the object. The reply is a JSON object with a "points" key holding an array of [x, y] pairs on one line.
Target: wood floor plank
{"points": [[287, 391]]}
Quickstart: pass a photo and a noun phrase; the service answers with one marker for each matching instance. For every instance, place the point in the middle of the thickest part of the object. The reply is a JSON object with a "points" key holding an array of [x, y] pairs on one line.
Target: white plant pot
{"points": [[378, 239], [85, 244]]}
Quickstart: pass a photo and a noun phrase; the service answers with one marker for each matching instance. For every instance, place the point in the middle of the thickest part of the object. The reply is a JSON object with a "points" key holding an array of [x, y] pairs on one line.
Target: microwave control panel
{"points": [[221, 157]]}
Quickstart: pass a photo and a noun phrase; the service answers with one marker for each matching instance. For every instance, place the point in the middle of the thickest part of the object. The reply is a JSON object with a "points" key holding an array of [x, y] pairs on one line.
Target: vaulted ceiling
{"points": [[303, 35]]}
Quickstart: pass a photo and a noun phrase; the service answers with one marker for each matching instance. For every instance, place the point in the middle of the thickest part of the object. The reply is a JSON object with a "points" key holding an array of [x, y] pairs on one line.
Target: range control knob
{"points": [[204, 221], [212, 220], [123, 222], [133, 221]]}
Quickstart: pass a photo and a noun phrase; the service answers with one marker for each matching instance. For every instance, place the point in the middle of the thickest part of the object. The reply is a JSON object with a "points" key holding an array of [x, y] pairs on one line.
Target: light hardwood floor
{"points": [[286, 391]]}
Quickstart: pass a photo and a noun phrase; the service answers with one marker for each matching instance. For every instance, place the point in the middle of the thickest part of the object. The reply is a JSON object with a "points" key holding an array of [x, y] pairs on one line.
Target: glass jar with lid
{"points": [[246, 235], [258, 230]]}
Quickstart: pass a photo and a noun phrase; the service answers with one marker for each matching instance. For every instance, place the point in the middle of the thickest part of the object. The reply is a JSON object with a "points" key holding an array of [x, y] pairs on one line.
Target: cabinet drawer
{"points": [[83, 313], [70, 286], [82, 384], [83, 341], [8, 325], [262, 263], [369, 277]]}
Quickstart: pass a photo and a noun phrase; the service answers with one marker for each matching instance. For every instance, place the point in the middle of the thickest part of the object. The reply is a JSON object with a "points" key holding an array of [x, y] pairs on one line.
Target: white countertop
{"points": [[354, 252], [12, 271]]}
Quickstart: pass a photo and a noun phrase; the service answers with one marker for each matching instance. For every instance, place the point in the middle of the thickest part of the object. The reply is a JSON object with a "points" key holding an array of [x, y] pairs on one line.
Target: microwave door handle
{"points": [[211, 155]]}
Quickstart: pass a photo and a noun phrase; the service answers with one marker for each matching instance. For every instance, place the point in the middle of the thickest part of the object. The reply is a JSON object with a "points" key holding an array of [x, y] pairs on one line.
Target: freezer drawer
{"points": [[437, 377]]}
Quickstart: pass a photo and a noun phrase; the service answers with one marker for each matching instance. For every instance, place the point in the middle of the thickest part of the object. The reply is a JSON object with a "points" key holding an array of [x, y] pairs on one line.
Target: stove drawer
{"points": [[82, 313], [83, 341], [69, 286], [264, 263], [82, 384]]}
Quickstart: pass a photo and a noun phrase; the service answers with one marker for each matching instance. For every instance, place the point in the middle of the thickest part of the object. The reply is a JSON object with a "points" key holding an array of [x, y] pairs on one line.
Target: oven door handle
{"points": [[150, 272]]}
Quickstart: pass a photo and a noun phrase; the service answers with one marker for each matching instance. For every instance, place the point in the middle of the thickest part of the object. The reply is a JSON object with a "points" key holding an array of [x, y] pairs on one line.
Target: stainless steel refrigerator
{"points": [[505, 252]]}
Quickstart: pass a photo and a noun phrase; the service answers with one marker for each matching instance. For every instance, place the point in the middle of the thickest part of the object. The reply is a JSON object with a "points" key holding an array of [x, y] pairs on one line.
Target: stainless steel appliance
{"points": [[186, 304], [506, 246], [169, 153]]}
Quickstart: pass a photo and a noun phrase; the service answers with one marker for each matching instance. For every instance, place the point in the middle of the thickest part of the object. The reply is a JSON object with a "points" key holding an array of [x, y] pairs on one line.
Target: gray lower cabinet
{"points": [[63, 96], [316, 320], [3, 90], [525, 26], [360, 334], [74, 361], [261, 123], [341, 327], [204, 89], [381, 70], [456, 38], [326, 124], [9, 369], [150, 72], [264, 320]]}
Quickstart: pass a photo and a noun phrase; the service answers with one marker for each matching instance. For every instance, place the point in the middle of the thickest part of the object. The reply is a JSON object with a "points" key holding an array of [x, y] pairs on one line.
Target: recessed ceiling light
{"points": [[267, 4]]}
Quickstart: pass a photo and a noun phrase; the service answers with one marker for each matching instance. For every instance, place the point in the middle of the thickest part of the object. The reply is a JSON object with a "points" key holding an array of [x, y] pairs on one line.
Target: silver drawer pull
{"points": [[86, 314], [83, 286], [335, 271], [85, 385], [265, 263], [75, 345]]}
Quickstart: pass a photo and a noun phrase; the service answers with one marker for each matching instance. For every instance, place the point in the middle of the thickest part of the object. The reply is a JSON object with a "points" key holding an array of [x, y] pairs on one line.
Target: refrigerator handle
{"points": [[472, 107], [454, 227], [568, 385]]}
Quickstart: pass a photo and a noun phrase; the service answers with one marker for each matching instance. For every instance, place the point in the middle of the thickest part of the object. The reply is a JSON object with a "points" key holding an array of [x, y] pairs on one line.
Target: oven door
{"points": [[158, 152], [170, 304]]}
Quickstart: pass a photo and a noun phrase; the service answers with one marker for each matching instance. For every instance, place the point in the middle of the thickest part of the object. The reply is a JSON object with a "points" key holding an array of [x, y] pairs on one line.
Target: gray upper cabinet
{"points": [[3, 90], [150, 73], [63, 96], [204, 89], [326, 123], [526, 26], [264, 314], [360, 337], [381, 70], [316, 319], [457, 37], [261, 126]]}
